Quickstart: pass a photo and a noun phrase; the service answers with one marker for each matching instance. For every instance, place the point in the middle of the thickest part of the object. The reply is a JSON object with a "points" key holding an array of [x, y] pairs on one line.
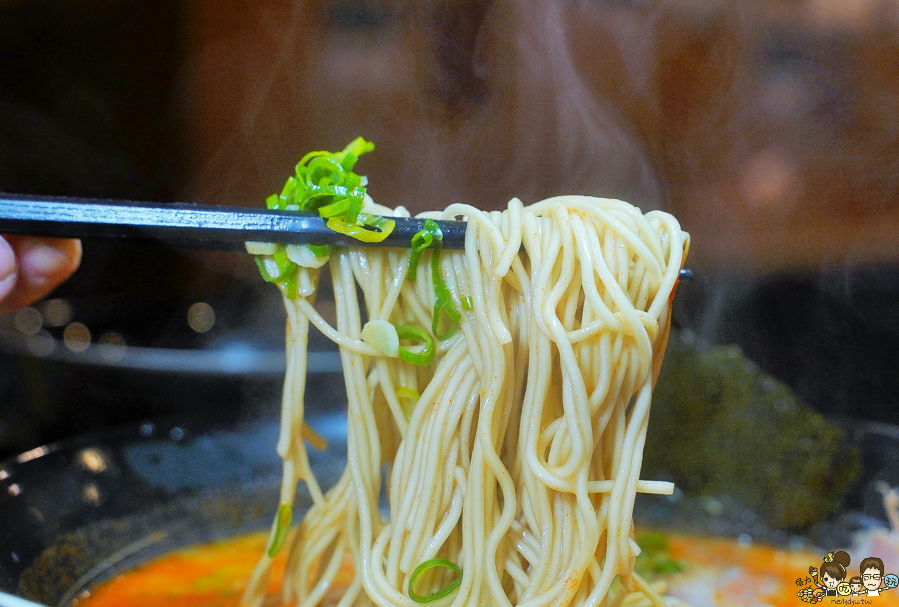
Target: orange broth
{"points": [[207, 575], [726, 574], [720, 570]]}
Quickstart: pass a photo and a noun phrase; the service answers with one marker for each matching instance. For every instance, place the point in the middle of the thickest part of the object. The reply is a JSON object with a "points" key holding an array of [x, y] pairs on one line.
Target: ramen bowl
{"points": [[77, 513]]}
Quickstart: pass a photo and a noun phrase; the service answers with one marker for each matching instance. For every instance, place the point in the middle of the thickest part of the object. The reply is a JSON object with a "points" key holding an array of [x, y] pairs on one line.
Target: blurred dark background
{"points": [[770, 129]]}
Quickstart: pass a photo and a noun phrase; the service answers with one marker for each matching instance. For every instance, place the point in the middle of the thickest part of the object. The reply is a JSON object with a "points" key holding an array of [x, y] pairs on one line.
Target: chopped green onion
{"points": [[324, 182], [356, 148], [423, 356], [261, 248], [404, 392], [321, 250], [273, 202], [384, 224], [410, 395], [349, 161], [323, 171], [321, 190], [362, 232], [423, 239], [275, 268], [431, 235], [381, 335], [348, 208], [289, 287], [467, 303], [430, 564], [444, 305], [443, 302], [285, 514], [302, 255], [655, 556], [280, 270]]}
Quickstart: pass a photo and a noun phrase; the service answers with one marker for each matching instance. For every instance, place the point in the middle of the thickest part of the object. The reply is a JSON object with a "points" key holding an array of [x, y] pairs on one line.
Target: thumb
{"points": [[38, 265]]}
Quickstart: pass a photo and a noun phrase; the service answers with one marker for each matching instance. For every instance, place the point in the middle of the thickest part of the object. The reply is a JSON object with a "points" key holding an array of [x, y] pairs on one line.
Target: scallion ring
{"points": [[362, 232], [443, 304], [275, 268], [424, 356], [321, 250], [443, 301], [424, 238], [409, 393], [289, 287], [430, 564], [285, 514]]}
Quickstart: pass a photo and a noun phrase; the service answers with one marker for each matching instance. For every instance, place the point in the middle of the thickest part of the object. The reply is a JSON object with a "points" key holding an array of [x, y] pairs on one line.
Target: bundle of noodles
{"points": [[512, 429]]}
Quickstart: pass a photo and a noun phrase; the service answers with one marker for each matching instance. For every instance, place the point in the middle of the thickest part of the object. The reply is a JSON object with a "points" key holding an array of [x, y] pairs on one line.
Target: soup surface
{"points": [[717, 573]]}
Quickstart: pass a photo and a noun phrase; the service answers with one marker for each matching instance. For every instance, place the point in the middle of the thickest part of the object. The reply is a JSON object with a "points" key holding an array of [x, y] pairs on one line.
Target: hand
{"points": [[891, 499], [32, 267]]}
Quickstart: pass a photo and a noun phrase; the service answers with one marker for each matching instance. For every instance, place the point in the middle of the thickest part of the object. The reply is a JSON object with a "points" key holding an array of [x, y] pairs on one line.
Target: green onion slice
{"points": [[423, 356], [285, 514], [430, 564], [443, 302], [320, 250], [274, 202], [275, 268], [356, 148], [373, 229], [423, 239], [324, 182], [289, 287], [347, 208], [443, 305], [410, 395], [261, 248], [404, 392], [467, 303]]}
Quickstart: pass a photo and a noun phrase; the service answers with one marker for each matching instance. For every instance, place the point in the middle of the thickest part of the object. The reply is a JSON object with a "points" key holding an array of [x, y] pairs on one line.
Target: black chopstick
{"points": [[193, 226], [189, 225]]}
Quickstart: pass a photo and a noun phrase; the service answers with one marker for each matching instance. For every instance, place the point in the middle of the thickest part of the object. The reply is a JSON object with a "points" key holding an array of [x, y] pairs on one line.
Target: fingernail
{"points": [[7, 260], [40, 262], [7, 284]]}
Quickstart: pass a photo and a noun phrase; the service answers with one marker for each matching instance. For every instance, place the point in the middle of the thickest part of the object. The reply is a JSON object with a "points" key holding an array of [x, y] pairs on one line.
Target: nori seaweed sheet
{"points": [[722, 427]]}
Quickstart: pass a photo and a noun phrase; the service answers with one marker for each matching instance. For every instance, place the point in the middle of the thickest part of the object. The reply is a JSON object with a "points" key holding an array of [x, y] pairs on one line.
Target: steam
{"points": [[563, 133], [538, 125]]}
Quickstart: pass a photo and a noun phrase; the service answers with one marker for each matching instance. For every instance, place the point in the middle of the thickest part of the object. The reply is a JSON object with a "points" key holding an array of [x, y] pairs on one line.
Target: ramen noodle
{"points": [[498, 396]]}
